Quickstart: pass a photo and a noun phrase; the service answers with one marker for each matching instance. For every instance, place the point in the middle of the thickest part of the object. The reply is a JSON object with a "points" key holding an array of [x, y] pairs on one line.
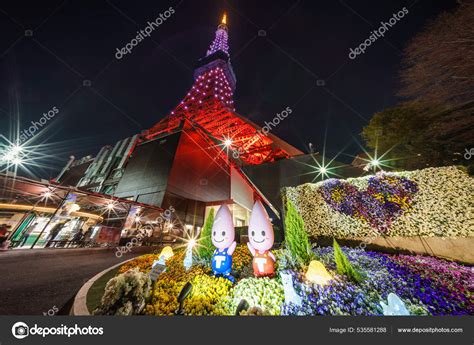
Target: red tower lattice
{"points": [[209, 107]]}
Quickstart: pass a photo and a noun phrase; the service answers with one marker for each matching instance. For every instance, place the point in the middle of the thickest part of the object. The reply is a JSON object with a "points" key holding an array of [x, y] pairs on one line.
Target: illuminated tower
{"points": [[193, 158], [220, 42], [209, 107], [203, 154]]}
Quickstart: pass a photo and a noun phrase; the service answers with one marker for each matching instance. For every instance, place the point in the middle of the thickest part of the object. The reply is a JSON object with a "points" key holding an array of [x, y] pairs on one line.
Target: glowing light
{"points": [[50, 210], [110, 206], [138, 219], [317, 273], [188, 258], [17, 161], [228, 142], [74, 208], [16, 149], [166, 252], [322, 169], [47, 194], [220, 40], [375, 162], [13, 155]]}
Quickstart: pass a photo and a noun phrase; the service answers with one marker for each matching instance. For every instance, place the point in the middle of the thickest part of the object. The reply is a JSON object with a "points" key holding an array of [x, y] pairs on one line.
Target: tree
{"points": [[296, 238], [438, 68], [435, 124], [205, 247], [344, 266], [412, 138]]}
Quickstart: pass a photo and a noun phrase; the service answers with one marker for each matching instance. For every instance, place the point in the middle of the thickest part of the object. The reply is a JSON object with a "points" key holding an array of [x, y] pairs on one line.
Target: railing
{"points": [[60, 244], [70, 244], [89, 244]]}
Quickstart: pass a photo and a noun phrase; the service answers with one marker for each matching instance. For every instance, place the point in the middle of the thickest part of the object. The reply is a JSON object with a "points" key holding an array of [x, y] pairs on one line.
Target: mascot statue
{"points": [[261, 239], [223, 238]]}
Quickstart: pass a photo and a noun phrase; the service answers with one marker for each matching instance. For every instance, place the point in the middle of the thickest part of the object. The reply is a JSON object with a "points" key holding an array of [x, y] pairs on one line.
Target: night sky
{"points": [[301, 63]]}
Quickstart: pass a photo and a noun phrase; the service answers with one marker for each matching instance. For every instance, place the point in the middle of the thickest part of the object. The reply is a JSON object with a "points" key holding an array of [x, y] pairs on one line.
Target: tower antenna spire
{"points": [[220, 40]]}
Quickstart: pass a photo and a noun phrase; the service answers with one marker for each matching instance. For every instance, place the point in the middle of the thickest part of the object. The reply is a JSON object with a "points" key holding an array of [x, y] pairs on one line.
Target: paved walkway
{"points": [[33, 282]]}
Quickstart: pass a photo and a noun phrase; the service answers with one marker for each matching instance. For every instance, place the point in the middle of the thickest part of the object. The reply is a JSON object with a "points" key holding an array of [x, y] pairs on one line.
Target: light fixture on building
{"points": [[74, 208], [13, 155], [47, 194]]}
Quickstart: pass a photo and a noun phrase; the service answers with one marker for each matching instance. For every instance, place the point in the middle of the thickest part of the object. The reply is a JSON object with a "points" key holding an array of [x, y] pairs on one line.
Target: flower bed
{"points": [[427, 286], [428, 202]]}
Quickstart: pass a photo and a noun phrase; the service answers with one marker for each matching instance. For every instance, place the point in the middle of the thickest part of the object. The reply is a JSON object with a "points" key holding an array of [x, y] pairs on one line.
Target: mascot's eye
{"points": [[214, 233], [253, 233], [223, 233], [263, 233]]}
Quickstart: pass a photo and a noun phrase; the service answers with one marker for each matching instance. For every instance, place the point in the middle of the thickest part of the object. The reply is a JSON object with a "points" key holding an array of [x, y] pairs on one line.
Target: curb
{"points": [[79, 307]]}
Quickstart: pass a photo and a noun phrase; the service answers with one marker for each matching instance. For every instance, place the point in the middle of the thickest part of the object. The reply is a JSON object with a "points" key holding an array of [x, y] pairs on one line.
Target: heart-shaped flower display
{"points": [[387, 197]]}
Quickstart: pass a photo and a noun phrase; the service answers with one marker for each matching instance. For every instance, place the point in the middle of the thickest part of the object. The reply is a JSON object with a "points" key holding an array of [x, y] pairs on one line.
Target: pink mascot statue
{"points": [[223, 238], [261, 239]]}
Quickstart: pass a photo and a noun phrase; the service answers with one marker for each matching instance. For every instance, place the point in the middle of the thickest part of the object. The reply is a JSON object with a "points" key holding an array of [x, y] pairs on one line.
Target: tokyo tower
{"points": [[209, 107]]}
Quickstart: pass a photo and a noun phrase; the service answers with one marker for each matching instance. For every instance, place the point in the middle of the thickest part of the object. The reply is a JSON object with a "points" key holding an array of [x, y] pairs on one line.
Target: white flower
{"points": [[443, 207]]}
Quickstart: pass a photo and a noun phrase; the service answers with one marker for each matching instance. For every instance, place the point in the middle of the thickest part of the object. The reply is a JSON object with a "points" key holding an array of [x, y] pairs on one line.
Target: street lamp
{"points": [[13, 155], [375, 162]]}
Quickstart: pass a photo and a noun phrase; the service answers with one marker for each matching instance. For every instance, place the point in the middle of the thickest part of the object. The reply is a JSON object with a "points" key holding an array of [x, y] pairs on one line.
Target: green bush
{"points": [[296, 238], [344, 267], [205, 247]]}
